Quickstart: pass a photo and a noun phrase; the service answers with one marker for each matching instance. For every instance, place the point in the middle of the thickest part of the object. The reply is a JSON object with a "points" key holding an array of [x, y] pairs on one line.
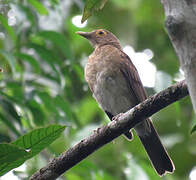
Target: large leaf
{"points": [[9, 29], [25, 147], [36, 140], [91, 6], [39, 7], [11, 157]]}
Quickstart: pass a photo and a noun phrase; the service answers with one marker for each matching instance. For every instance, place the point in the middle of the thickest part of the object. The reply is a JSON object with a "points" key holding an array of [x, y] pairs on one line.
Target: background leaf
{"points": [[31, 60], [59, 41], [39, 7], [9, 29], [91, 6], [193, 129], [9, 123], [11, 60], [26, 146]]}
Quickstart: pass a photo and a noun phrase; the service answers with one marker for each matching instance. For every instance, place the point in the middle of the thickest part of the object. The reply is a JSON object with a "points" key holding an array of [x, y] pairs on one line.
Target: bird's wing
{"points": [[132, 77]]}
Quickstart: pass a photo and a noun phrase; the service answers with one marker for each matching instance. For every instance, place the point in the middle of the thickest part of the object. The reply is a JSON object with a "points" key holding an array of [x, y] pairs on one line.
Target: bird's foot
{"points": [[96, 130], [115, 118]]}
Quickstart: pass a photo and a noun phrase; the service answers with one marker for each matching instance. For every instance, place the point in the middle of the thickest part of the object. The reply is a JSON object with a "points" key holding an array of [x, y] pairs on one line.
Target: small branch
{"points": [[106, 134]]}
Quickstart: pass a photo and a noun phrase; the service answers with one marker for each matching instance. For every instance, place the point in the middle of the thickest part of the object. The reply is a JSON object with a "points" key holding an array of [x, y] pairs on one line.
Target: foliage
{"points": [[42, 82], [91, 6], [25, 147]]}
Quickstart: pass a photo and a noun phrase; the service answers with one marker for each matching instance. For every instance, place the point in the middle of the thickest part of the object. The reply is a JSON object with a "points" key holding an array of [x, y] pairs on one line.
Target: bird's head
{"points": [[100, 37]]}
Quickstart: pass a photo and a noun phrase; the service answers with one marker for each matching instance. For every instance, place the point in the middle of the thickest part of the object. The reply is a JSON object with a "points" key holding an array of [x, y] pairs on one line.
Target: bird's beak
{"points": [[87, 35]]}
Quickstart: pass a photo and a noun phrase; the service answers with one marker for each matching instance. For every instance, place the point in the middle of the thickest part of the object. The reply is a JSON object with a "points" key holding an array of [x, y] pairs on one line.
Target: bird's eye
{"points": [[101, 32]]}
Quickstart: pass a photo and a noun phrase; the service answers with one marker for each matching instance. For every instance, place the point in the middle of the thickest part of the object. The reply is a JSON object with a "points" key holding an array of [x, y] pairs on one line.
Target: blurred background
{"points": [[43, 83]]}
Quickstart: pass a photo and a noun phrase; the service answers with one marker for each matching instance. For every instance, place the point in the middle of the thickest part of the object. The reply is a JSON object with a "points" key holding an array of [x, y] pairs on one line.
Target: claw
{"points": [[115, 118]]}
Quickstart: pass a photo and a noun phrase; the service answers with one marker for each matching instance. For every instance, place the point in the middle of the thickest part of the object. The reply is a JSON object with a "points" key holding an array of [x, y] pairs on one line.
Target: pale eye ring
{"points": [[100, 32]]}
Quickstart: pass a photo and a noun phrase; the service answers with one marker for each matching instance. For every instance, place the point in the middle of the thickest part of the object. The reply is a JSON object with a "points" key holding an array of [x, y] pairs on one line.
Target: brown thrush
{"points": [[116, 86]]}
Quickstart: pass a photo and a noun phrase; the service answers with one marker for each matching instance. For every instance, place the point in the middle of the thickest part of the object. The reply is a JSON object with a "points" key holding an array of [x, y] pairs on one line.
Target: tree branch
{"points": [[181, 25], [106, 134]]}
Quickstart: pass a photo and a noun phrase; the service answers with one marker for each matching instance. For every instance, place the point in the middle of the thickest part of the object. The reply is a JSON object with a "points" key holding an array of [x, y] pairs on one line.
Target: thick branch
{"points": [[106, 134], [181, 25]]}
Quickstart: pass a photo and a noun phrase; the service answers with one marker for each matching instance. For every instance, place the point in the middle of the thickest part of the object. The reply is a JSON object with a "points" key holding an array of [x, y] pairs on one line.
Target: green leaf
{"points": [[38, 139], [10, 109], [47, 56], [9, 124], [193, 124], [9, 97], [54, 2], [37, 111], [25, 147], [31, 60], [4, 137], [91, 6], [29, 13], [39, 7], [9, 29], [83, 113], [15, 91], [79, 71], [11, 60], [47, 100], [58, 40], [11, 157], [193, 129], [64, 106]]}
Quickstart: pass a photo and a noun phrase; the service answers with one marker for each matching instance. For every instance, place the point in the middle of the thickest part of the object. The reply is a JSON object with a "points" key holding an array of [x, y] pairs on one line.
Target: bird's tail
{"points": [[157, 153]]}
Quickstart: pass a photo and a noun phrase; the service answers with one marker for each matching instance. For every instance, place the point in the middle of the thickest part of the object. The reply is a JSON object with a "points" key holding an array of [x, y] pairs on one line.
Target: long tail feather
{"points": [[157, 153]]}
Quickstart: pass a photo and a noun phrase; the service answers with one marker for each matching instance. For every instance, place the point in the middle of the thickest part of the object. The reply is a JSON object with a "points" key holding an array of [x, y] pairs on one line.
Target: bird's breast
{"points": [[105, 79], [111, 91]]}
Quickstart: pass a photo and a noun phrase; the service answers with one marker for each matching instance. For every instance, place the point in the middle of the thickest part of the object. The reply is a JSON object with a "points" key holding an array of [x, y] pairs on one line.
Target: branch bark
{"points": [[106, 134], [181, 25]]}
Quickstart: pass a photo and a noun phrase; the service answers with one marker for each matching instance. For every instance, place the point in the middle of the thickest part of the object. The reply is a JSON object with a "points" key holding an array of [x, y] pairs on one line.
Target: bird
{"points": [[116, 86]]}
